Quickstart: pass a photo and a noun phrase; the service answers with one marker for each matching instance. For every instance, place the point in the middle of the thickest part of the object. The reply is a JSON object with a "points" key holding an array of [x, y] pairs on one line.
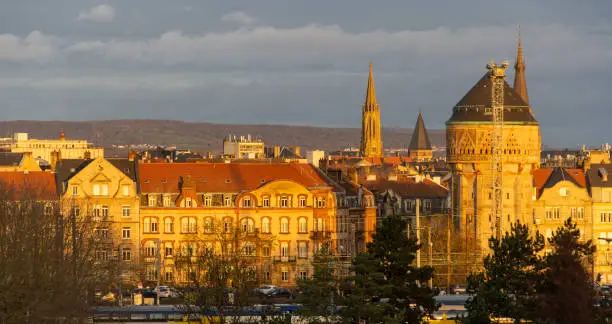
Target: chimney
{"points": [[62, 135], [131, 155], [276, 151], [297, 150], [87, 155], [54, 160]]}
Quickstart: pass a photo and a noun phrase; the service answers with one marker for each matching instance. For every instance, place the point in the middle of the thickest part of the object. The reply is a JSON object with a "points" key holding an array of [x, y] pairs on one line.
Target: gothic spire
{"points": [[520, 85], [371, 91]]}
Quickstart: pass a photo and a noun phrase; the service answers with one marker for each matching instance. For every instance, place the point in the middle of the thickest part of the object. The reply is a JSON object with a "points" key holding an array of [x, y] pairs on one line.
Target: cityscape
{"points": [[479, 222]]}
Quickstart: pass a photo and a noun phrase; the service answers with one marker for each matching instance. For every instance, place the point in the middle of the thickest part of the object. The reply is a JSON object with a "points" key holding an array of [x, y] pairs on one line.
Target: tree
{"points": [[512, 277], [386, 287], [48, 265], [568, 295], [319, 294]]}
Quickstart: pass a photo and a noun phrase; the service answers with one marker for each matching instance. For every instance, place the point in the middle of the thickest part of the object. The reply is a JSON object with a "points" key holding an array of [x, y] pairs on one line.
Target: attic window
{"points": [[227, 181], [146, 181], [164, 181]]}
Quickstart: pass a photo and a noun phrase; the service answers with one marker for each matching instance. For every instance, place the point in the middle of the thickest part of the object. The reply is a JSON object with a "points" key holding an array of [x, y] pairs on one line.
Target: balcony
{"points": [[320, 235], [284, 259]]}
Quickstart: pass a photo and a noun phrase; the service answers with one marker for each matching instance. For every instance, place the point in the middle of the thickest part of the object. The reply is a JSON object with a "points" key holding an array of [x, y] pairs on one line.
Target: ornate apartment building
{"points": [[469, 152]]}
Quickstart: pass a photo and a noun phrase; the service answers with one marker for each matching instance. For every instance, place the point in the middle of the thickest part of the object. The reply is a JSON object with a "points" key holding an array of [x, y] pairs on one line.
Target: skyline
{"points": [[242, 63]]}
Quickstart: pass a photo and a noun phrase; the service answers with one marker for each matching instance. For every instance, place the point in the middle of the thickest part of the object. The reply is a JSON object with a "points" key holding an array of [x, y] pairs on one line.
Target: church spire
{"points": [[371, 91], [520, 85], [420, 146], [371, 141]]}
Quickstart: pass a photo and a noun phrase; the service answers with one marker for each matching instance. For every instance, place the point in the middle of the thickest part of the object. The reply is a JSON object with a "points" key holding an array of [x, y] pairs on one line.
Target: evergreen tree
{"points": [[386, 287], [568, 295], [512, 277], [319, 294]]}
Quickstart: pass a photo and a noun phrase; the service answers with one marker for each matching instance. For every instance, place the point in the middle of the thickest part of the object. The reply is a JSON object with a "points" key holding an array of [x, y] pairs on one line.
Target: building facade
{"points": [[371, 137], [601, 194], [243, 147], [50, 149]]}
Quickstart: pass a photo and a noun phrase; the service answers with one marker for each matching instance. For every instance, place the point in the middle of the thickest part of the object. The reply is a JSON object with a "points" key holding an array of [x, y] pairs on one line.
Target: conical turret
{"points": [[420, 146], [520, 85]]}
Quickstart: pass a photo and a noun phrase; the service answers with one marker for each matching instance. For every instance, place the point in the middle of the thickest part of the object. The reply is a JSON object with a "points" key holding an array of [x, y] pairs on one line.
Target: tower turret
{"points": [[420, 146], [371, 139]]}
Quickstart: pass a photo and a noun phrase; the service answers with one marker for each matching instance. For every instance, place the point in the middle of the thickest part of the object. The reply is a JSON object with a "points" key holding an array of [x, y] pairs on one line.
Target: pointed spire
{"points": [[520, 84], [371, 91], [420, 138]]}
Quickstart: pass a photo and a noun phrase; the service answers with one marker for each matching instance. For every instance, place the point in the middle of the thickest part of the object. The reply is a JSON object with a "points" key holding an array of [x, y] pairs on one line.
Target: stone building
{"points": [[469, 148], [371, 137], [50, 149]]}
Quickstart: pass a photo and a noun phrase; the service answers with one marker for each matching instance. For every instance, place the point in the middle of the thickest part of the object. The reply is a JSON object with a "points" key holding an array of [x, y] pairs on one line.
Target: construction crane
{"points": [[497, 73]]}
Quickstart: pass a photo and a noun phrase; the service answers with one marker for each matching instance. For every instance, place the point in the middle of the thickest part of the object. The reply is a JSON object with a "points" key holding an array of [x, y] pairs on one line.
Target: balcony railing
{"points": [[285, 259], [320, 235]]}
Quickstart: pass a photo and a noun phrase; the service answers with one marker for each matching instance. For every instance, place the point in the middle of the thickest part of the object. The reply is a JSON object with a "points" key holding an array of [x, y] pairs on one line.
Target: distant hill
{"points": [[204, 137]]}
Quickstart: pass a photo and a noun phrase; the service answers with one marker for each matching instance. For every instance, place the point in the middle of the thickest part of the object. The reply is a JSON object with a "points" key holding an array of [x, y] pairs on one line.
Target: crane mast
{"points": [[497, 73]]}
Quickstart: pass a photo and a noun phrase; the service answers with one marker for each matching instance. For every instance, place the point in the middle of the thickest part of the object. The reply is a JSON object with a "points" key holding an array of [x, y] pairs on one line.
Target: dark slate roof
{"points": [[126, 166], [562, 174], [408, 188], [420, 138], [287, 153], [594, 175], [66, 168], [471, 108], [10, 159]]}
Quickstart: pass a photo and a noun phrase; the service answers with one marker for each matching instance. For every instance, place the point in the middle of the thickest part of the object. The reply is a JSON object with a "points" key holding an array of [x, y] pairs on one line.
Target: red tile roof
{"points": [[36, 184], [543, 178], [225, 177]]}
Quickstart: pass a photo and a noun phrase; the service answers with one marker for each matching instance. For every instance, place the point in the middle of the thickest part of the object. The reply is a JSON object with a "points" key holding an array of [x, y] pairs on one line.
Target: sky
{"points": [[302, 62]]}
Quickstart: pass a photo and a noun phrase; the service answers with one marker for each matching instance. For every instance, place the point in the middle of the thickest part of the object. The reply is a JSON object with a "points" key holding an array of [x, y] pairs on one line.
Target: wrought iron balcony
{"points": [[320, 235], [285, 259]]}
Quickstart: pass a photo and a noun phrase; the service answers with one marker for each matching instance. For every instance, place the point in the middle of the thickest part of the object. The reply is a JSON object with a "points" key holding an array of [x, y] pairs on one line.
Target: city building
{"points": [[420, 147], [469, 156], [601, 195], [314, 157], [283, 212], [46, 149], [371, 137], [104, 192], [18, 162], [243, 147]]}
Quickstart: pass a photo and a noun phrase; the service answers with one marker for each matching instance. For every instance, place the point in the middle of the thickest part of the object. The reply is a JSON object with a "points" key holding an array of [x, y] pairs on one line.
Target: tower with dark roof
{"points": [[420, 146], [371, 138], [520, 84], [469, 153]]}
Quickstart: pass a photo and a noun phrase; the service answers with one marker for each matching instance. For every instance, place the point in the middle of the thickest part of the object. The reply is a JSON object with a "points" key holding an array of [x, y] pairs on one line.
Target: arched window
{"points": [[265, 225], [302, 225], [227, 225], [193, 225], [185, 225], [247, 225], [154, 225], [284, 225], [168, 225], [150, 249], [208, 225]]}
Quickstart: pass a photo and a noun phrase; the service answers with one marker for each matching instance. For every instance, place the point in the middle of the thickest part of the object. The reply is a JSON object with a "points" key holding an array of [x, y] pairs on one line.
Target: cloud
{"points": [[101, 13], [239, 17], [34, 47]]}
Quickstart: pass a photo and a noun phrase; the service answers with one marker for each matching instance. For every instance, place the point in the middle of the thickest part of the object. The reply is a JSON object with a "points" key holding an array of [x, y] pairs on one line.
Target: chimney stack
{"points": [[131, 156]]}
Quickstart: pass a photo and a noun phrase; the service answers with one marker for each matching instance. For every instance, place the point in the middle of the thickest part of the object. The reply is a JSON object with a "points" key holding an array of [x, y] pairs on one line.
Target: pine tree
{"points": [[319, 294], [568, 295], [386, 287], [513, 274]]}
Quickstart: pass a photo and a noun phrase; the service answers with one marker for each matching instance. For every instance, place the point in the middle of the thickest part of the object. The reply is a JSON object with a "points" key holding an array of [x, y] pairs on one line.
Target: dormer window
{"points": [[167, 201], [246, 202], [207, 201], [302, 201], [152, 201], [100, 189], [188, 202], [266, 201], [227, 201], [284, 202]]}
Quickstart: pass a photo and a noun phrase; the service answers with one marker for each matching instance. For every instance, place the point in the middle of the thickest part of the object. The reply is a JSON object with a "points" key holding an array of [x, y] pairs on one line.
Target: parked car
{"points": [[167, 292], [265, 290], [280, 292], [460, 290]]}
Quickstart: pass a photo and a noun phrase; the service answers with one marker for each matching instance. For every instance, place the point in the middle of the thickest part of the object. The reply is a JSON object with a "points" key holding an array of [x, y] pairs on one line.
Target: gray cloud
{"points": [[239, 17], [99, 13]]}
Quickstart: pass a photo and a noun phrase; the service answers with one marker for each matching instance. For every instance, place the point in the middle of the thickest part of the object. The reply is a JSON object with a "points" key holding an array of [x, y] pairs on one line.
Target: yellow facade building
{"points": [[105, 193], [282, 214], [10, 162], [51, 150], [601, 194]]}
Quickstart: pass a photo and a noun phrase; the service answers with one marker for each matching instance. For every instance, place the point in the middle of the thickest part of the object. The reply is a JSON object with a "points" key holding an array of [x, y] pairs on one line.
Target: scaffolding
{"points": [[497, 73]]}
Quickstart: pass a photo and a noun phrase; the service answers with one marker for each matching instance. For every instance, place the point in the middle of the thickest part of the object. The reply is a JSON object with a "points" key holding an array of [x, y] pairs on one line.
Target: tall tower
{"points": [[470, 133], [420, 147], [371, 139], [520, 84]]}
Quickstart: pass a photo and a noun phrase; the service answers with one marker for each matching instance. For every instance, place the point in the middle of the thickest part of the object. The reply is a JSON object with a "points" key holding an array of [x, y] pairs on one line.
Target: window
{"points": [[193, 225], [100, 189], [266, 201], [284, 249], [150, 225], [284, 202], [303, 275], [169, 249], [75, 190], [573, 212], [227, 201], [207, 201], [126, 190], [102, 255], [320, 224], [320, 202], [150, 249], [265, 225], [246, 202], [126, 233], [552, 213], [152, 201], [166, 201], [151, 273], [247, 225], [227, 225], [104, 211], [126, 254], [284, 225], [285, 275], [303, 249], [101, 232], [208, 225], [96, 189], [125, 211], [168, 225], [606, 217], [265, 251], [76, 211], [267, 275], [188, 202], [185, 225], [580, 213], [507, 195], [154, 225], [563, 192], [302, 225], [249, 249], [302, 201], [427, 205], [169, 275]]}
